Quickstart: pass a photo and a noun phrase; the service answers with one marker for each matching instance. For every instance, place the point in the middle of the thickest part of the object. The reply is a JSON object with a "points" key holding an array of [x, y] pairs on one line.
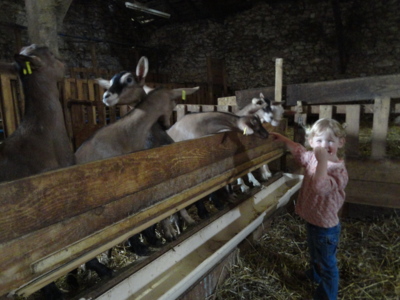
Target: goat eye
{"points": [[129, 80]]}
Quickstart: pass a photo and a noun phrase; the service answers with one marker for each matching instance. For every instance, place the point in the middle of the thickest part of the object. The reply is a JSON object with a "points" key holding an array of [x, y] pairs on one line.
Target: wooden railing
{"points": [[56, 221]]}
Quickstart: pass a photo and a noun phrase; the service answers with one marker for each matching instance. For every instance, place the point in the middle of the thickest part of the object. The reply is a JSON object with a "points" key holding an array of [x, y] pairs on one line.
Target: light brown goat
{"points": [[40, 143]]}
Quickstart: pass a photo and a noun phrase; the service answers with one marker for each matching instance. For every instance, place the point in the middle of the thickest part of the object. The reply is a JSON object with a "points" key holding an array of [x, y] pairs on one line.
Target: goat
{"points": [[155, 138], [269, 112], [197, 125], [40, 143], [115, 139]]}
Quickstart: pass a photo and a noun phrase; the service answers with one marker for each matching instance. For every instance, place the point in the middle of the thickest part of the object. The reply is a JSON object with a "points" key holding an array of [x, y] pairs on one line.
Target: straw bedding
{"points": [[368, 258]]}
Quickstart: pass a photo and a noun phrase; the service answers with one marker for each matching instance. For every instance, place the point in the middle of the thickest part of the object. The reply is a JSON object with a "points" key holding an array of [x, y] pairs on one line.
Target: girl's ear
{"points": [[342, 141], [310, 142]]}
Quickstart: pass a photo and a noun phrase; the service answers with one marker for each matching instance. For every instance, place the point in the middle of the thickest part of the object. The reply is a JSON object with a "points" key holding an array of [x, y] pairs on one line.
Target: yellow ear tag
{"points": [[244, 131], [183, 95], [28, 68]]}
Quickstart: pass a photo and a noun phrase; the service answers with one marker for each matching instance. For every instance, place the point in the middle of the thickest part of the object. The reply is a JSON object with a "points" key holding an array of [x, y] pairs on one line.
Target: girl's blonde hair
{"points": [[324, 124]]}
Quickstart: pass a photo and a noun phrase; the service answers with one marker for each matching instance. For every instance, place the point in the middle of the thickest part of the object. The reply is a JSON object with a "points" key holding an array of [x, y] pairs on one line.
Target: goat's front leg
{"points": [[243, 187], [253, 180], [265, 172], [186, 217], [167, 225]]}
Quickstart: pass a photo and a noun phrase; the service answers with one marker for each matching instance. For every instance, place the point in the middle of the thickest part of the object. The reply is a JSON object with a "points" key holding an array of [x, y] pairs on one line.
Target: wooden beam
{"points": [[8, 106], [380, 127], [146, 187], [352, 130], [373, 193], [278, 79], [346, 90]]}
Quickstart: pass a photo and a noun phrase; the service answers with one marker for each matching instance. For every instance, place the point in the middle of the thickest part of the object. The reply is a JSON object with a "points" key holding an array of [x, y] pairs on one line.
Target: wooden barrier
{"points": [[11, 104], [58, 220], [351, 101]]}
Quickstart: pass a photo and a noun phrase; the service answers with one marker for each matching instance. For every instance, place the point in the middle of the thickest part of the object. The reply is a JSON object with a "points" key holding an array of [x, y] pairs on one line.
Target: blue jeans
{"points": [[322, 245]]}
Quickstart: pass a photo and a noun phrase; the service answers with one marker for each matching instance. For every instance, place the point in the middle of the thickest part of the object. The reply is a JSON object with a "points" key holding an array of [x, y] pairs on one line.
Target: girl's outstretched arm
{"points": [[291, 145]]}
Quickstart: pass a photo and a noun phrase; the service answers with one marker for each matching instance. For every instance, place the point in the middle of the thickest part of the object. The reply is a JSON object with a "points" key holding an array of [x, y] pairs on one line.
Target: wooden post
{"points": [[8, 109], [278, 79], [380, 127], [352, 129], [325, 111]]}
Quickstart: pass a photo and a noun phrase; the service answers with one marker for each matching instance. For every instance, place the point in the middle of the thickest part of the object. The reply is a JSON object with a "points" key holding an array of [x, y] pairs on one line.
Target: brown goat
{"points": [[40, 143]]}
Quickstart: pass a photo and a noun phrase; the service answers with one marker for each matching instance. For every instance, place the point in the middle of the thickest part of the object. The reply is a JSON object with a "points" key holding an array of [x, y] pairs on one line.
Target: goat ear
{"points": [[142, 68], [104, 83], [262, 95], [244, 127]]}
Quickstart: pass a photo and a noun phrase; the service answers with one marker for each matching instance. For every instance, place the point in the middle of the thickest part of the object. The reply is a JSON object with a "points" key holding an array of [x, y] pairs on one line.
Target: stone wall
{"points": [[301, 32]]}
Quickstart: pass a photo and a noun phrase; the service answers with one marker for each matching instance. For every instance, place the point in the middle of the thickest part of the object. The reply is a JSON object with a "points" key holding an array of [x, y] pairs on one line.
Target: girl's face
{"points": [[327, 140]]}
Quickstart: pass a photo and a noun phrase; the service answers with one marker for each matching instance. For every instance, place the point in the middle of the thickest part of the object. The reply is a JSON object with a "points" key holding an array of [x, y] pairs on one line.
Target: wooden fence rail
{"points": [[58, 220]]}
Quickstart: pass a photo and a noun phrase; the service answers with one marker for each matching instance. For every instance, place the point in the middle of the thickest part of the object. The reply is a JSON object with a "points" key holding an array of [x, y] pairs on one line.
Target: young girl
{"points": [[320, 198]]}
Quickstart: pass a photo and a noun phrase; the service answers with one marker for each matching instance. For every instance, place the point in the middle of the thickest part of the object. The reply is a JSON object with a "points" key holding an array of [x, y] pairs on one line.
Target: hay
{"points": [[368, 258]]}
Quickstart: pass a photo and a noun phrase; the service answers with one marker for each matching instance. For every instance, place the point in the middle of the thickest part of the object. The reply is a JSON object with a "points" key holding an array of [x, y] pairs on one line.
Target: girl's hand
{"points": [[321, 154], [277, 137]]}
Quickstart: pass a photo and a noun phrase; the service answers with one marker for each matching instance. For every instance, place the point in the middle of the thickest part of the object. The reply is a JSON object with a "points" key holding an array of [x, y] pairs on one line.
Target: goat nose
{"points": [[106, 95]]}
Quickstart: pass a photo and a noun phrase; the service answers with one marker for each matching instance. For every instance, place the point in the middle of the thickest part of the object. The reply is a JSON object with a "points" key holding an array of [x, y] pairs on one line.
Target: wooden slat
{"points": [[373, 193], [92, 118], [86, 196], [181, 110], [386, 171], [278, 79], [325, 111], [346, 90], [380, 127], [8, 106], [352, 129]]}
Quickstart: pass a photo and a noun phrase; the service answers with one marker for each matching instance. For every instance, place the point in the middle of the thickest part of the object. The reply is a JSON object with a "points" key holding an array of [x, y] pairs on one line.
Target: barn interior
{"points": [[335, 59]]}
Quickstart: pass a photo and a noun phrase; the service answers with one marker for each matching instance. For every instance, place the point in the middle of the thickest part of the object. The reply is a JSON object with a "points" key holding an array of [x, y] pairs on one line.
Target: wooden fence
{"points": [[367, 106], [56, 221]]}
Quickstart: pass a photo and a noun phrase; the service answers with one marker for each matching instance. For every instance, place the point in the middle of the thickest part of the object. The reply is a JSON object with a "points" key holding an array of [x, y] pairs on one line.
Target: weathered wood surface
{"points": [[374, 182], [83, 210], [11, 97], [329, 92], [346, 90]]}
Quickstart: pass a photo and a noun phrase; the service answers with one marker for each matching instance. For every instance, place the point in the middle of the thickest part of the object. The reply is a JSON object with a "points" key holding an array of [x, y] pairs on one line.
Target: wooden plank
{"points": [[352, 129], [66, 96], [8, 106], [50, 190], [181, 111], [380, 127], [278, 79], [373, 193], [92, 117], [325, 111], [205, 108], [168, 175], [385, 171], [346, 90]]}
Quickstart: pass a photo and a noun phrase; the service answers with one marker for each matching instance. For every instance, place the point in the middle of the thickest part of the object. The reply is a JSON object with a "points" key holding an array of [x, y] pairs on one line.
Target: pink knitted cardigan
{"points": [[320, 199]]}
